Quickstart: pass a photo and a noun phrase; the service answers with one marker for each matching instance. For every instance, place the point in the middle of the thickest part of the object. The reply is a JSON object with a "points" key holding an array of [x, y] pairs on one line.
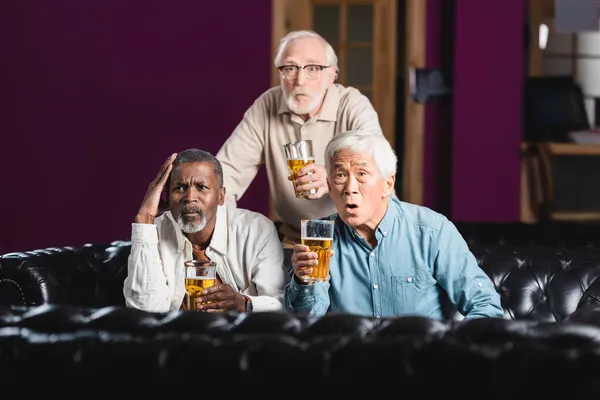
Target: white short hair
{"points": [[330, 56], [368, 143]]}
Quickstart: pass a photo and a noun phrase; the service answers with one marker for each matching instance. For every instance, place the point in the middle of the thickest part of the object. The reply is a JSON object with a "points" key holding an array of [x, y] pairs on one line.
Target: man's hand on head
{"points": [[152, 205]]}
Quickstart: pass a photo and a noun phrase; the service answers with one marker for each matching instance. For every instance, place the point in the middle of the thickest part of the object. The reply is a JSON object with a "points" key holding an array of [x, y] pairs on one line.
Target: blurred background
{"points": [[480, 99]]}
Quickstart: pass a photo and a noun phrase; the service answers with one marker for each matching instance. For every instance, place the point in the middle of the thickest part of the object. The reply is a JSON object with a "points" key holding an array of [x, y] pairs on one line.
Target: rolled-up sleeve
{"points": [[457, 271], [242, 154], [307, 299]]}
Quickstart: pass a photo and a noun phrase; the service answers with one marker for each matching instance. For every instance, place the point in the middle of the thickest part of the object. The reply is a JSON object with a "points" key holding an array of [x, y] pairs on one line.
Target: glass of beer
{"points": [[318, 236], [199, 275], [299, 154]]}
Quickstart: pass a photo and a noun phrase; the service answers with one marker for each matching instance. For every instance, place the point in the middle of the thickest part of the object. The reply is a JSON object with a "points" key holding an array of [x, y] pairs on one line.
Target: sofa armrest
{"points": [[59, 275]]}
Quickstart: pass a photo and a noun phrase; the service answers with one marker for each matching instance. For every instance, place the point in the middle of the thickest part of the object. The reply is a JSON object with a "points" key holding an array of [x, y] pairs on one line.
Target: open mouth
{"points": [[351, 206]]}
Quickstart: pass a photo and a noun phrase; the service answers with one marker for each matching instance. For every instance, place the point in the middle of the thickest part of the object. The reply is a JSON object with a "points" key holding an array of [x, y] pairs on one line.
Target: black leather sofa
{"points": [[62, 320]]}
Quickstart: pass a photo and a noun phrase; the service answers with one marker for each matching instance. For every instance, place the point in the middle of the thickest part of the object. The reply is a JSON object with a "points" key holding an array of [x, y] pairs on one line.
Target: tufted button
{"points": [[409, 279]]}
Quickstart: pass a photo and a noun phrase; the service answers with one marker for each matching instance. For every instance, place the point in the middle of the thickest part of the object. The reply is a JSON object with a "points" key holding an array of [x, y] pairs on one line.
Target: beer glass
{"points": [[299, 154], [318, 236], [199, 275]]}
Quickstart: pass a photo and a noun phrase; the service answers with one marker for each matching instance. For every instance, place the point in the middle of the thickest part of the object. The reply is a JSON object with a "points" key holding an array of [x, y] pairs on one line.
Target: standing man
{"points": [[307, 105]]}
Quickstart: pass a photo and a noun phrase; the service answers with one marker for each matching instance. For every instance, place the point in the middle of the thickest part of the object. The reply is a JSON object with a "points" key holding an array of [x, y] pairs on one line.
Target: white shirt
{"points": [[244, 245]]}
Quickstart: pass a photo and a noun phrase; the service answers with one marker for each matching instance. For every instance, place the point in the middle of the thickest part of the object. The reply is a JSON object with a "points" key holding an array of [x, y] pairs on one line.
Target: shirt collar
{"points": [[387, 222], [329, 108], [218, 242]]}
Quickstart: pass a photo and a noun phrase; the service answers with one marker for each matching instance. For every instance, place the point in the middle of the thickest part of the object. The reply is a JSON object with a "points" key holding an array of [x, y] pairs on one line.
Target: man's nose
{"points": [[300, 78], [190, 196], [351, 185]]}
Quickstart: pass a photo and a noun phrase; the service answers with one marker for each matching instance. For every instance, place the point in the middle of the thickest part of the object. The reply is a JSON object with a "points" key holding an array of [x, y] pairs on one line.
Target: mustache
{"points": [[191, 209], [296, 92]]}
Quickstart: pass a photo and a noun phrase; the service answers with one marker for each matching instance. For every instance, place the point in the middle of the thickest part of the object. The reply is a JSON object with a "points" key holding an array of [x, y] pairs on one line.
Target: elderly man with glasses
{"points": [[307, 105]]}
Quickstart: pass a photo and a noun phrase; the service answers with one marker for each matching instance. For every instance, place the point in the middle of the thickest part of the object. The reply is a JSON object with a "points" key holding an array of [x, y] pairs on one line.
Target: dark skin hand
{"points": [[222, 297], [152, 205]]}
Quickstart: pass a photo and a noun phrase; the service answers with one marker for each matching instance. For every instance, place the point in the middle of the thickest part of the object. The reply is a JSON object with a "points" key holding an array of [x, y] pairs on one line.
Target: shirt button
{"points": [[479, 284], [305, 290], [375, 286], [372, 254], [409, 279], [384, 233], [377, 316], [176, 300]]}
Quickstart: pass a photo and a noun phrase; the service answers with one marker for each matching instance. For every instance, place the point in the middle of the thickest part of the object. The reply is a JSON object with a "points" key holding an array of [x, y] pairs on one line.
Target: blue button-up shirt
{"points": [[420, 257]]}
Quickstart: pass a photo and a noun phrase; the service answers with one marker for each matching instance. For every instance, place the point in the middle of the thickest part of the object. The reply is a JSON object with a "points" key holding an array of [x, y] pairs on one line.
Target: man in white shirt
{"points": [[195, 223]]}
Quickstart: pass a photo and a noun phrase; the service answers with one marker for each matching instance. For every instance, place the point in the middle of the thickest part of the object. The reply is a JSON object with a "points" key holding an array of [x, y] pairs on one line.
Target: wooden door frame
{"points": [[414, 114]]}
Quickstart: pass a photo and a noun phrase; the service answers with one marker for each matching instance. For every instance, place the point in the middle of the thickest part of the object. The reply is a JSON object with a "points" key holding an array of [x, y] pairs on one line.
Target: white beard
{"points": [[191, 227], [315, 100]]}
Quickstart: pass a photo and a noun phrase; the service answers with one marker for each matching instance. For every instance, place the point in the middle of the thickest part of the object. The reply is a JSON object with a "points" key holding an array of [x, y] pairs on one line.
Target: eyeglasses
{"points": [[311, 71]]}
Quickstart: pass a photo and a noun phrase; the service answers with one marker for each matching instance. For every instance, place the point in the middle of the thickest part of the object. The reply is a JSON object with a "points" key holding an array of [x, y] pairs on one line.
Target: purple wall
{"points": [[97, 93], [489, 67], [438, 116]]}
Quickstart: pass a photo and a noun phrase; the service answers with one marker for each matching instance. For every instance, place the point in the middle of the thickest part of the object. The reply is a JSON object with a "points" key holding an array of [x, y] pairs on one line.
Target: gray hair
{"points": [[330, 56], [196, 155], [364, 142]]}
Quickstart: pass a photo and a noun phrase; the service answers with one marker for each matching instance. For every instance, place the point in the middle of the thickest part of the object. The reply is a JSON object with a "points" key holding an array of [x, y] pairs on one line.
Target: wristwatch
{"points": [[248, 304]]}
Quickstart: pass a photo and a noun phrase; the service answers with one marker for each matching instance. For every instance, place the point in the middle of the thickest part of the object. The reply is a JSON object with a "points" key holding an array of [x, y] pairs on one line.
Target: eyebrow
{"points": [[354, 164], [199, 181]]}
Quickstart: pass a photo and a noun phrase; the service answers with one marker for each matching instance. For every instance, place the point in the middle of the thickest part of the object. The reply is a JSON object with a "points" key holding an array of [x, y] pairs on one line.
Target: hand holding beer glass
{"points": [[298, 155], [199, 275], [318, 236]]}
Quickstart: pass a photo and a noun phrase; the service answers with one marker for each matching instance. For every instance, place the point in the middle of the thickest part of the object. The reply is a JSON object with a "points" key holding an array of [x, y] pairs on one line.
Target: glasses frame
{"points": [[302, 67]]}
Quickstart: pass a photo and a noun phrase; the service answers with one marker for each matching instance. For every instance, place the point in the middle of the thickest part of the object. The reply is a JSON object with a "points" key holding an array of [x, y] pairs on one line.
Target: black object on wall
{"points": [[429, 84], [554, 106]]}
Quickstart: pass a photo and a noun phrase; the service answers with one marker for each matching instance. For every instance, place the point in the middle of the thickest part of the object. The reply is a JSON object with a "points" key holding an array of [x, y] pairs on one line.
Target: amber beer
{"points": [[318, 236], [194, 288], [321, 246], [294, 165], [199, 275], [299, 154]]}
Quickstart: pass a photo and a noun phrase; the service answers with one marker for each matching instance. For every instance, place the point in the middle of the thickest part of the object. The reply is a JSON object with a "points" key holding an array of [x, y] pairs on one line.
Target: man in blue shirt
{"points": [[389, 258]]}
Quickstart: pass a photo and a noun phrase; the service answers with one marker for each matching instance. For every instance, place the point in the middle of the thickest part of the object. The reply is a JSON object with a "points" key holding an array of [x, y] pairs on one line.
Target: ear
{"points": [[222, 192], [333, 74], [388, 188]]}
